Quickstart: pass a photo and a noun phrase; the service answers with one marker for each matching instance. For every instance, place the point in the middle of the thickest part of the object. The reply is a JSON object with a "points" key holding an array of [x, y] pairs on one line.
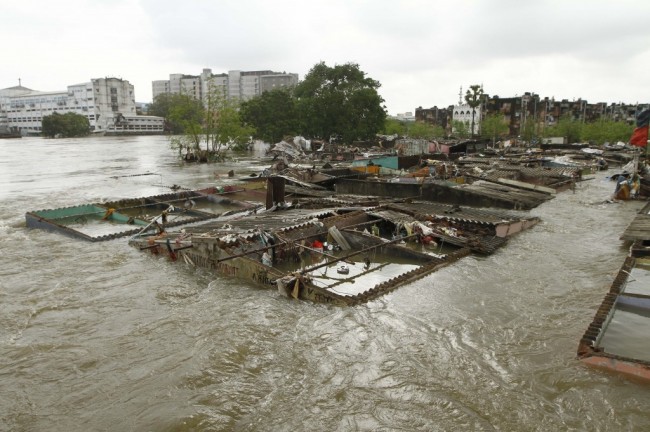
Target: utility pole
{"points": [[535, 99]]}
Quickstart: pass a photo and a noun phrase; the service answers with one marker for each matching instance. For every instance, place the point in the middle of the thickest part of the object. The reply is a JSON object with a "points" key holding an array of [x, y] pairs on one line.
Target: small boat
{"points": [[343, 269]]}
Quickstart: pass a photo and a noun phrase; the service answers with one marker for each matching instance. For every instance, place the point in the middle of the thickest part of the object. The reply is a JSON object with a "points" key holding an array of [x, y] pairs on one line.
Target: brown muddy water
{"points": [[102, 337]]}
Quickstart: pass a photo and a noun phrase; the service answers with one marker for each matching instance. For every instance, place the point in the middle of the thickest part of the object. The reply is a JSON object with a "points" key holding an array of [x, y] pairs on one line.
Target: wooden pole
{"points": [[316, 267], [280, 243]]}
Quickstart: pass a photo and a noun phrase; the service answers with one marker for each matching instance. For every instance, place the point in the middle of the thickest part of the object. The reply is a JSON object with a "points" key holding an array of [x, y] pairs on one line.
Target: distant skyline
{"points": [[421, 51]]}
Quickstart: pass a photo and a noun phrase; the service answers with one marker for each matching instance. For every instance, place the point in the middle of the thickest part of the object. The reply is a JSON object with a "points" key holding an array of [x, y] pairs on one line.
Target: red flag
{"points": [[640, 135]]}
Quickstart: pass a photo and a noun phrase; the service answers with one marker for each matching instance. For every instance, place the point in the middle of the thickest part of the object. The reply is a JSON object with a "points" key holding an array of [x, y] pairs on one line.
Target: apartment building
{"points": [[528, 110], [107, 103], [434, 116], [235, 84]]}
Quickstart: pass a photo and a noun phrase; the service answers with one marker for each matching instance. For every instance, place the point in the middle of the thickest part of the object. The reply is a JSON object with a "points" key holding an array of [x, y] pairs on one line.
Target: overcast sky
{"points": [[421, 51]]}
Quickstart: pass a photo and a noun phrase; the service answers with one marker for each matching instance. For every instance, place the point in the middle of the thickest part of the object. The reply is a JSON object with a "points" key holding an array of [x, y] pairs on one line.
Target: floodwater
{"points": [[102, 337]]}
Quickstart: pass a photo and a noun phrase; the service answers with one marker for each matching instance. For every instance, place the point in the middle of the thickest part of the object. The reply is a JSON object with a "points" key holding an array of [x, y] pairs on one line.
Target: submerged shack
{"points": [[339, 236], [617, 339], [342, 255], [122, 218], [477, 182]]}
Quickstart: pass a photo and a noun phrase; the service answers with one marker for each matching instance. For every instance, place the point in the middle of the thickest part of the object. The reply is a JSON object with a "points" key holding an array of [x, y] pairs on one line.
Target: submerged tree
{"points": [[66, 125], [182, 112], [473, 98], [223, 127], [207, 131], [340, 101]]}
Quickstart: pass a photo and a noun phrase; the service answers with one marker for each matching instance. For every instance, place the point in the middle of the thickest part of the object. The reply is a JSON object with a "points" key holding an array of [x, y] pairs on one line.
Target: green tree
{"points": [[460, 129], [473, 98], [340, 101], [184, 118], [424, 130], [493, 126], [273, 114], [394, 127], [566, 127], [223, 126], [160, 105], [527, 131], [439, 131], [602, 131], [65, 125], [208, 131], [182, 113]]}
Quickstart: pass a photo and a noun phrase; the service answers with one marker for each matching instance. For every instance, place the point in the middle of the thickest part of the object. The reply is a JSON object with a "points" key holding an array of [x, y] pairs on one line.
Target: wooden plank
{"points": [[638, 229]]}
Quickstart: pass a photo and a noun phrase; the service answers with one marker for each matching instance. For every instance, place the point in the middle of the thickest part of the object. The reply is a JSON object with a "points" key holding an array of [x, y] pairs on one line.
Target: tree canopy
{"points": [[65, 125], [394, 127], [473, 98], [460, 129], [273, 114], [223, 126], [565, 127], [494, 126], [182, 113], [424, 130], [339, 101], [604, 131], [216, 126], [598, 132]]}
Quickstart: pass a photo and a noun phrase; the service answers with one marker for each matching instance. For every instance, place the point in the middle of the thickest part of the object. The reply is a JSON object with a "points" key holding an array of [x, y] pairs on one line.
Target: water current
{"points": [[103, 337]]}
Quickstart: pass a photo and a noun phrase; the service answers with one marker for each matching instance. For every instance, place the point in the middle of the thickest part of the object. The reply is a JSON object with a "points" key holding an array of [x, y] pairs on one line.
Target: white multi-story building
{"points": [[5, 100], [463, 113], [108, 103], [235, 84], [405, 117]]}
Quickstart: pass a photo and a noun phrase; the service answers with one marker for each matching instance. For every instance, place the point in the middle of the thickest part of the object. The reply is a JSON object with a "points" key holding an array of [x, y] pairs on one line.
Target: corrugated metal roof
{"points": [[473, 214], [268, 221], [391, 215], [639, 228]]}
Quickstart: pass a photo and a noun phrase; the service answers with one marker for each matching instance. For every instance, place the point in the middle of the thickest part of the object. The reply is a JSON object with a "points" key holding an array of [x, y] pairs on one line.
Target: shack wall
{"points": [[397, 190]]}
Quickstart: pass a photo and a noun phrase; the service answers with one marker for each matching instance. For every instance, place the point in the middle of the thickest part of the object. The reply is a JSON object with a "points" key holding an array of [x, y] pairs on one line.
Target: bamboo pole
{"points": [[352, 278], [280, 243]]}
